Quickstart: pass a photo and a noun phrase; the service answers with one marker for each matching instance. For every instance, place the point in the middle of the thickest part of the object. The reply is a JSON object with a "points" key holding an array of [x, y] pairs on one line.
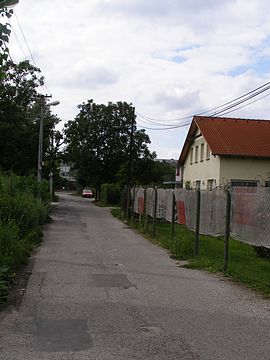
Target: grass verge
{"points": [[245, 266]]}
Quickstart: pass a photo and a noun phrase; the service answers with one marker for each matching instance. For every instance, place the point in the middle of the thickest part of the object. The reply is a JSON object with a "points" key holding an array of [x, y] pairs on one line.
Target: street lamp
{"points": [[40, 140]]}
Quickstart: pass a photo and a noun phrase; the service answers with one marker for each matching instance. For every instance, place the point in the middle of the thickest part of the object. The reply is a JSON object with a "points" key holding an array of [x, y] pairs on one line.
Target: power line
{"points": [[156, 120], [241, 101], [251, 102], [28, 48], [267, 84], [149, 120], [223, 108], [261, 88], [168, 128], [18, 40]]}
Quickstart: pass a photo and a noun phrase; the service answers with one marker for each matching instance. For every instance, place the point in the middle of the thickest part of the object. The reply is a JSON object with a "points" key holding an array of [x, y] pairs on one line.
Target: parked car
{"points": [[87, 193]]}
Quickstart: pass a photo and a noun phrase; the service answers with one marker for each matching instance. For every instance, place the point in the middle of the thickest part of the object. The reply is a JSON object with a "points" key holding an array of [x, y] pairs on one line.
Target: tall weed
{"points": [[24, 206]]}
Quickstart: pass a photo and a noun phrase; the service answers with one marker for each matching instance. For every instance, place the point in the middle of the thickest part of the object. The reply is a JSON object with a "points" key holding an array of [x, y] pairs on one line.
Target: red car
{"points": [[87, 193]]}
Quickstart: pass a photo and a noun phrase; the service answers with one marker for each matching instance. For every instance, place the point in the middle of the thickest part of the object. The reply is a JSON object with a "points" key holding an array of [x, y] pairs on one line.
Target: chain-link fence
{"points": [[207, 211], [250, 215]]}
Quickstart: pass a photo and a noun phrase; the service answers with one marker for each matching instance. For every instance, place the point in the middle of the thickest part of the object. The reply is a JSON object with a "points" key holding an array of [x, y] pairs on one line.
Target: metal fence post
{"points": [[227, 230], [154, 229], [144, 211], [173, 214], [132, 205], [128, 199], [197, 231]]}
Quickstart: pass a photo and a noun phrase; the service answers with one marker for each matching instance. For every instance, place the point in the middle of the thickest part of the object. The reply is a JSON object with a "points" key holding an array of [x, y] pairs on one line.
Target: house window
{"points": [[188, 185], [245, 183], [207, 152], [191, 156], [198, 184], [267, 184], [202, 152], [196, 153], [210, 184]]}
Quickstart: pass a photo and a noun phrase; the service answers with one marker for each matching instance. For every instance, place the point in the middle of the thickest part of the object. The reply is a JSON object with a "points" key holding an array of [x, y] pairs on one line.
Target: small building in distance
{"points": [[66, 173], [223, 152]]}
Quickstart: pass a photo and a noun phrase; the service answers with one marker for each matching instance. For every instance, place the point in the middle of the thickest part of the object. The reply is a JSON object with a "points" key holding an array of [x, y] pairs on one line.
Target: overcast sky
{"points": [[170, 58]]}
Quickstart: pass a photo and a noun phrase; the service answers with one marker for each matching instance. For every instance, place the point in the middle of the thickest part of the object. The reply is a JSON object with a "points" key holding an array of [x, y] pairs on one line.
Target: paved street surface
{"points": [[100, 291]]}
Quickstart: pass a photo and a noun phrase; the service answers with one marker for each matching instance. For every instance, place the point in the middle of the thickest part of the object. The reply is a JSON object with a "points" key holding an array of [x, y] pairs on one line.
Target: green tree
{"points": [[19, 117], [98, 142], [147, 171], [4, 35]]}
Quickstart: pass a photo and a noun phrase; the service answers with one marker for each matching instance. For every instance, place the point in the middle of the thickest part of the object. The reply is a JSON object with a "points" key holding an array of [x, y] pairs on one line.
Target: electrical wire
{"points": [[254, 92], [251, 102], [158, 123], [240, 102], [175, 126], [26, 43], [223, 108], [18, 40], [28, 48], [168, 128], [155, 121]]}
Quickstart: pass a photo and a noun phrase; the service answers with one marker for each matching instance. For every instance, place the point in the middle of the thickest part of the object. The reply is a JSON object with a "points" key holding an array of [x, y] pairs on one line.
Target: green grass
{"points": [[100, 204], [245, 266]]}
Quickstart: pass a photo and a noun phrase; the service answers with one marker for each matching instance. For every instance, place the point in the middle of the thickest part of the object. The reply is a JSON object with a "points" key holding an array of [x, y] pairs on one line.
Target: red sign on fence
{"points": [[181, 213], [141, 205]]}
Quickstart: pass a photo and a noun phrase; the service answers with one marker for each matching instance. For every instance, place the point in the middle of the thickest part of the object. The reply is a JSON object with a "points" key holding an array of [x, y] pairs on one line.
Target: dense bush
{"points": [[14, 184], [27, 211], [262, 251], [110, 194], [23, 208]]}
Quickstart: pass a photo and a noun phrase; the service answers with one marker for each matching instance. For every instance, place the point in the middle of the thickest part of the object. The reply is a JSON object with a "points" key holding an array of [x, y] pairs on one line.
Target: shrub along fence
{"points": [[110, 194], [240, 212]]}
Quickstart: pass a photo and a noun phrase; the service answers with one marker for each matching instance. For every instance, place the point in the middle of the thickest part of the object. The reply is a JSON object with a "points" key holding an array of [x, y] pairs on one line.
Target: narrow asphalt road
{"points": [[100, 291]]}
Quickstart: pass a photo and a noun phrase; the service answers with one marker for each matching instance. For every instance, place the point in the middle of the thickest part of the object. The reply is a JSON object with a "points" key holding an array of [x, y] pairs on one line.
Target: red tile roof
{"points": [[231, 136]]}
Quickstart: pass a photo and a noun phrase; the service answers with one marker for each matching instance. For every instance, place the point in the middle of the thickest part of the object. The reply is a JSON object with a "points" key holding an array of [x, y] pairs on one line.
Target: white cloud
{"points": [[169, 58]]}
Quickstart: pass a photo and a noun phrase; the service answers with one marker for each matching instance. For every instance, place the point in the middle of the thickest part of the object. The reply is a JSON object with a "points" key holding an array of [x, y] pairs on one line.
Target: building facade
{"points": [[220, 152]]}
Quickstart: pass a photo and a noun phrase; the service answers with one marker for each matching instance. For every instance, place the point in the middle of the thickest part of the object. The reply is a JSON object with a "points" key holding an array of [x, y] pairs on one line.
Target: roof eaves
{"points": [[250, 156], [189, 138]]}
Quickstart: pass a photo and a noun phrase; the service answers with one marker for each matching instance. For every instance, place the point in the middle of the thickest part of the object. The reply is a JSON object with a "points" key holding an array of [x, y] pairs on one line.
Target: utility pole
{"points": [[130, 162], [40, 139], [52, 167]]}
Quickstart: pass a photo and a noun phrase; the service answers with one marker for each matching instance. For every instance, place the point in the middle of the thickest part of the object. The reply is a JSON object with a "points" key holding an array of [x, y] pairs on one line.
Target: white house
{"points": [[225, 151]]}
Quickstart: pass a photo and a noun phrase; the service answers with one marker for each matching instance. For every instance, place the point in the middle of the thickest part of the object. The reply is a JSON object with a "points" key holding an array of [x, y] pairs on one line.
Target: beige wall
{"points": [[204, 169], [222, 169], [244, 169]]}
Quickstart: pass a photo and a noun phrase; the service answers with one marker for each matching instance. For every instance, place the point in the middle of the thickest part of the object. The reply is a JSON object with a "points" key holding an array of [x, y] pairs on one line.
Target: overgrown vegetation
{"points": [[110, 194], [23, 208], [245, 266]]}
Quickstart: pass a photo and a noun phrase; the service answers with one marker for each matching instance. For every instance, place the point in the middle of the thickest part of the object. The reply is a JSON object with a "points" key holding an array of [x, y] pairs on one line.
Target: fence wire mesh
{"points": [[213, 212], [150, 202], [186, 204], [164, 204], [138, 201], [250, 209], [250, 215]]}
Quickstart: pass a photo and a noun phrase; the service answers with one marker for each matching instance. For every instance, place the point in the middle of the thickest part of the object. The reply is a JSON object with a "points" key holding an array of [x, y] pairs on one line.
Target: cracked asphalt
{"points": [[98, 290]]}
